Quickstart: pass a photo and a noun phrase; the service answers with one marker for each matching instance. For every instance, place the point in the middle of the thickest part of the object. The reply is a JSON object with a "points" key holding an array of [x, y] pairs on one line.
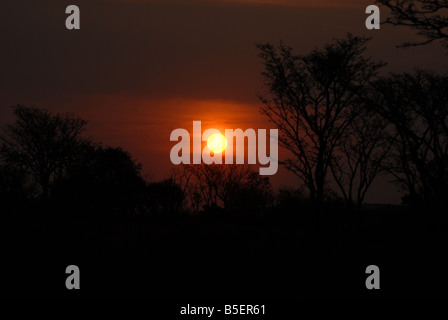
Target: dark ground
{"points": [[221, 256]]}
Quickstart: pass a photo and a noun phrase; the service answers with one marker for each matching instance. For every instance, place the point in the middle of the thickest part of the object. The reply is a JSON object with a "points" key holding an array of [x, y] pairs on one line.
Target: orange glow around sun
{"points": [[217, 143]]}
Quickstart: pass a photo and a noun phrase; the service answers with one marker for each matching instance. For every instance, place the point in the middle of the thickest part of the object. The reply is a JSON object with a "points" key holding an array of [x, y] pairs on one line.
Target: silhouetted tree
{"points": [[360, 155], [311, 97], [42, 144], [428, 17], [106, 179], [165, 197], [14, 185], [220, 185], [416, 106], [251, 196]]}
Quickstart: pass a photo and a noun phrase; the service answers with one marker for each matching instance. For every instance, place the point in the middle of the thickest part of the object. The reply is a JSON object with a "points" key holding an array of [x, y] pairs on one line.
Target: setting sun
{"points": [[217, 143]]}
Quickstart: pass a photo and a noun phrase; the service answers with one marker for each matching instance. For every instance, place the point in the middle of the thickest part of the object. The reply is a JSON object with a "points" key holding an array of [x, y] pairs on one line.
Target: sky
{"points": [[138, 69]]}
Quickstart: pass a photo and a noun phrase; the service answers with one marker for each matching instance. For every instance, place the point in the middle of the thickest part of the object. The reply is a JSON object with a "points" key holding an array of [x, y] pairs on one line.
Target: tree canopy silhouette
{"points": [[310, 98], [107, 179], [415, 104], [361, 154], [223, 186], [165, 197], [428, 17], [42, 144]]}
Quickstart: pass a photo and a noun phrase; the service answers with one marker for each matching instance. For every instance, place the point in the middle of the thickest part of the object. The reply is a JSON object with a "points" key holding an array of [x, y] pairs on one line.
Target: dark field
{"points": [[217, 255]]}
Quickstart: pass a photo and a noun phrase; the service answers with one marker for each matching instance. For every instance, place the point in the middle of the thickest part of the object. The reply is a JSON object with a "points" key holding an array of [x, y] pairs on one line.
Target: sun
{"points": [[217, 143]]}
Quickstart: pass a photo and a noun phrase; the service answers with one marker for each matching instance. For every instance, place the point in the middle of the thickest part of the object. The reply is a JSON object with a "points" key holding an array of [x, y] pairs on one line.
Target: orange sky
{"points": [[139, 69]]}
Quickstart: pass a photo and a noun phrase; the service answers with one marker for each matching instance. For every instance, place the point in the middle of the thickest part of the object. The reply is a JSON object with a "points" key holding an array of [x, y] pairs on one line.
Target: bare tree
{"points": [[310, 101], [42, 144], [428, 17], [360, 156], [216, 185], [416, 106]]}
